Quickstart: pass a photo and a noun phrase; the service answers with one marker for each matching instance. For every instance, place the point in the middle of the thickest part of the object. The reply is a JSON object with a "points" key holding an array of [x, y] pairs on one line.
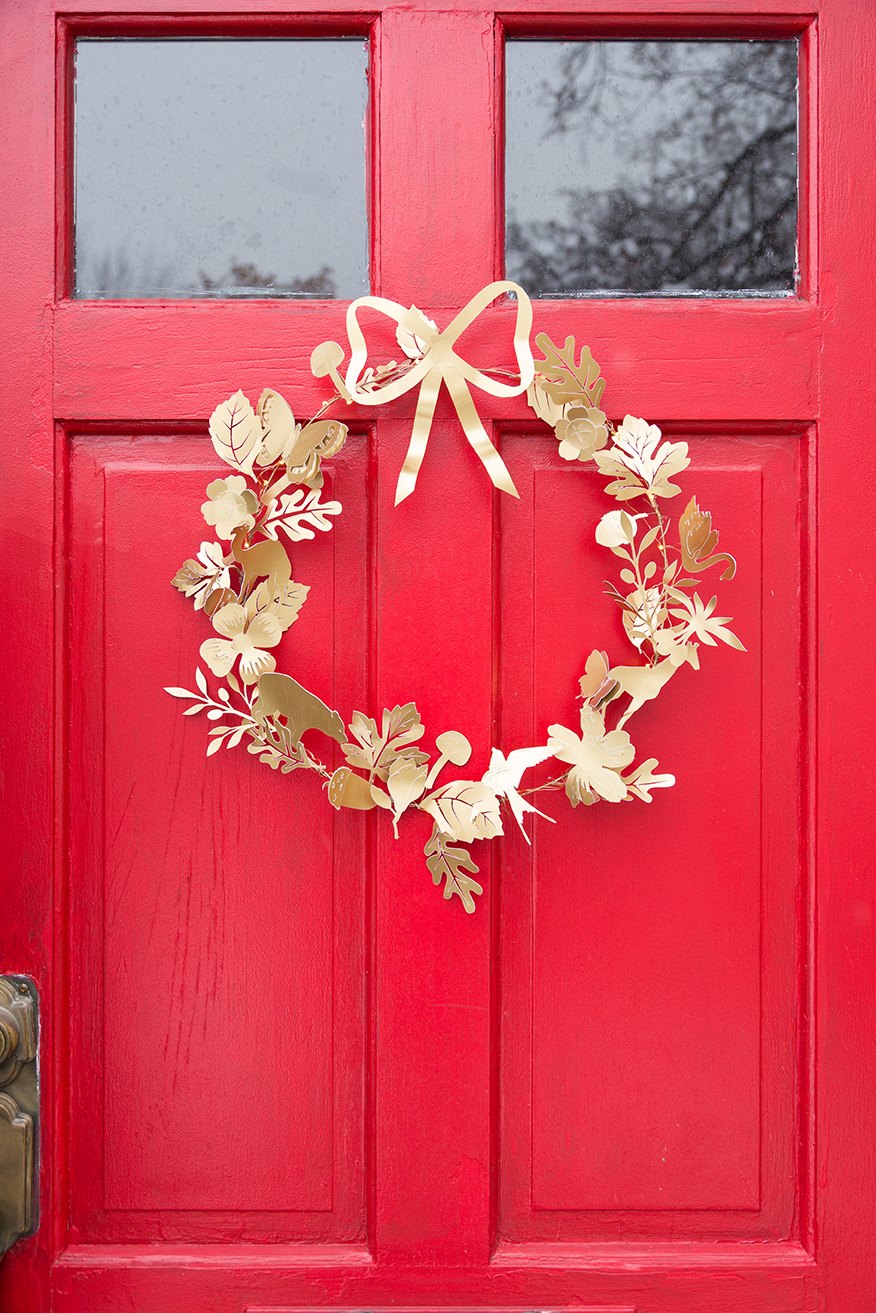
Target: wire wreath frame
{"points": [[242, 581]]}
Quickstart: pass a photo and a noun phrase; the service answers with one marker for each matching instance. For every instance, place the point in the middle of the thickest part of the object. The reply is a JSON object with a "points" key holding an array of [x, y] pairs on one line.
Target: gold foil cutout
{"points": [[451, 864], [595, 756], [301, 448], [642, 684], [347, 789], [699, 540], [262, 560], [439, 363], [374, 750], [465, 810], [280, 696], [236, 432], [504, 776]]}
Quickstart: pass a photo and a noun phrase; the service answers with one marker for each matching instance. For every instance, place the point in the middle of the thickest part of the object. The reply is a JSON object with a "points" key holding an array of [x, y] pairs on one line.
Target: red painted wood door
{"points": [[278, 1072]]}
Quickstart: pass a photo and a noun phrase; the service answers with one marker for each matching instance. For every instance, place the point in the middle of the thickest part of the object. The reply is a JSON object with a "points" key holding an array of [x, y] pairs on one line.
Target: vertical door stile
{"points": [[432, 963]]}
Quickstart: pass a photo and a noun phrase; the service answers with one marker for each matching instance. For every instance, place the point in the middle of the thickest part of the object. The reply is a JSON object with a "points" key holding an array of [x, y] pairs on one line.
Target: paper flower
{"points": [[582, 432], [595, 758], [231, 505], [243, 638]]}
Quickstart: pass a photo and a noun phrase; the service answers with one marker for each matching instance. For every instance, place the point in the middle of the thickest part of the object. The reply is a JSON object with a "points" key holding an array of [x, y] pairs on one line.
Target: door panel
{"points": [[650, 1020], [196, 1039]]}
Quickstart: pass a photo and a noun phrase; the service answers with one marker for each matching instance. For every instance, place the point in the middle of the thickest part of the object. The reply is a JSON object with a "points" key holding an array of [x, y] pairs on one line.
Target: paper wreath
{"points": [[247, 592]]}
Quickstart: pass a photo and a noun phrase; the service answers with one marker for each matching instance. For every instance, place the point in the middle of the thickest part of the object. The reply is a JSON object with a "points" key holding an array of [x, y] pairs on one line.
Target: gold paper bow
{"points": [[438, 363]]}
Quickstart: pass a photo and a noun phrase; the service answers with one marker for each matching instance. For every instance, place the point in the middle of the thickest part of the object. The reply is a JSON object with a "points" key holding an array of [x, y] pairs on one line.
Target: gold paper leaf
{"points": [[374, 750], [568, 378], [405, 783], [298, 514], [698, 621], [465, 810], [236, 432], [284, 602], [642, 780], [277, 425], [449, 863], [639, 464], [699, 540], [413, 346]]}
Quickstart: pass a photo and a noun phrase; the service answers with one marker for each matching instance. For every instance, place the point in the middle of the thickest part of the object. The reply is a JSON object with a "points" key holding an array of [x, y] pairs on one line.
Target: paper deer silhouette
{"points": [[643, 683], [281, 695], [265, 560]]}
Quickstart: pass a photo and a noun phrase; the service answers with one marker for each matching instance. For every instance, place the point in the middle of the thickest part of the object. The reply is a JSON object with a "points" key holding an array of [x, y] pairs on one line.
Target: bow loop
{"points": [[439, 363]]}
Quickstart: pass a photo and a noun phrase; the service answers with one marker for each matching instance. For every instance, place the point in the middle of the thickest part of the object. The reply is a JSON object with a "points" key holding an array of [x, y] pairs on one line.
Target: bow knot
{"points": [[439, 363]]}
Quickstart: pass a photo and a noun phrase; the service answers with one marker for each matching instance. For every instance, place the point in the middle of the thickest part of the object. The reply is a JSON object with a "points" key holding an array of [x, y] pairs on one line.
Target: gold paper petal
{"points": [[219, 655], [254, 663]]}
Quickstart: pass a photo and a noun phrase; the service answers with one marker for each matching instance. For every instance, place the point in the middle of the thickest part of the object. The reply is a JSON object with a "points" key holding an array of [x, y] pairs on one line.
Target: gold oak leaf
{"points": [[374, 750], [642, 780], [465, 810], [236, 433], [639, 464], [699, 540], [565, 377], [298, 514], [450, 863]]}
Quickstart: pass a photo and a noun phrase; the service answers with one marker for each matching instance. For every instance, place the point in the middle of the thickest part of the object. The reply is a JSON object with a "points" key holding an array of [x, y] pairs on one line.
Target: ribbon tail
{"points": [[426, 401], [477, 435]]}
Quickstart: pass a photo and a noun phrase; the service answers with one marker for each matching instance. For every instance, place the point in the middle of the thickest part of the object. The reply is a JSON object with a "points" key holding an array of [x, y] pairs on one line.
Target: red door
{"points": [[278, 1071]]}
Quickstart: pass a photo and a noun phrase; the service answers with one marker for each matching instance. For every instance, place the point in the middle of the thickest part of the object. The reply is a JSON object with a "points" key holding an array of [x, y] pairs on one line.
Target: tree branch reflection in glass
{"points": [[651, 166]]}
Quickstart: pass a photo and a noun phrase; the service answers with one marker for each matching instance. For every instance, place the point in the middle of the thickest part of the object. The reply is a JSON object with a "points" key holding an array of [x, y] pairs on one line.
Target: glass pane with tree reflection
{"points": [[218, 167], [651, 166]]}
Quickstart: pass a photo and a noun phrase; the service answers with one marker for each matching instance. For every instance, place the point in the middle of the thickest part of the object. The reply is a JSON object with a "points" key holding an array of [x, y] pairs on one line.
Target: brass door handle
{"points": [[19, 1099]]}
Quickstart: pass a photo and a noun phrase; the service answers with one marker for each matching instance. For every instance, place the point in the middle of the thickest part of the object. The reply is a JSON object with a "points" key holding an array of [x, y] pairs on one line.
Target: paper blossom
{"points": [[271, 500], [242, 638], [595, 756], [231, 505]]}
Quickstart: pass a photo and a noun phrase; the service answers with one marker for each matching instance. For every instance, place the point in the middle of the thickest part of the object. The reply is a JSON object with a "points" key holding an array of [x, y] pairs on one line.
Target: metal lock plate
{"points": [[19, 1098]]}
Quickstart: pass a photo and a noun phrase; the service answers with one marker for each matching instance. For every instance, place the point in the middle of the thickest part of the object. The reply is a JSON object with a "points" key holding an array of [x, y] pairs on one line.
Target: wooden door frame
{"points": [[68, 360]]}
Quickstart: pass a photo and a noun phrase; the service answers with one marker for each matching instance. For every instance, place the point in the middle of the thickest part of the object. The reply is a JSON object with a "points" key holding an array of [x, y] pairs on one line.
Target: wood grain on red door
{"points": [[279, 1073]]}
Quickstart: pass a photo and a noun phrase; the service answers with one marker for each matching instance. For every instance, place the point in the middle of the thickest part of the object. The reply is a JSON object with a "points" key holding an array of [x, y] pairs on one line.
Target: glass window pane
{"points": [[651, 166], [220, 168]]}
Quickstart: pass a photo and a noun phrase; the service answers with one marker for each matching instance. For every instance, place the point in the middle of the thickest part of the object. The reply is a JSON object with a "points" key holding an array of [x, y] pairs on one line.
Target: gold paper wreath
{"points": [[248, 593]]}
